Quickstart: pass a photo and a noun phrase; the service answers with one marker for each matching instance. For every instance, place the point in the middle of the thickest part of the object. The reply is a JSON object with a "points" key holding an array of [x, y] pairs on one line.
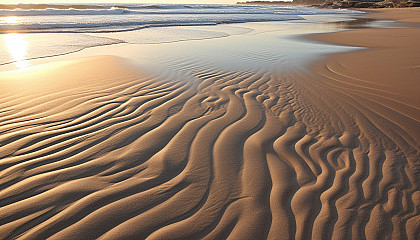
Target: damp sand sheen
{"points": [[217, 138]]}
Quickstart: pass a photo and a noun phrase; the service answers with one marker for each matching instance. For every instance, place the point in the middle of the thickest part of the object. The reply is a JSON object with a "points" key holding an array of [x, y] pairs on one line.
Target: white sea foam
{"points": [[110, 18], [52, 11]]}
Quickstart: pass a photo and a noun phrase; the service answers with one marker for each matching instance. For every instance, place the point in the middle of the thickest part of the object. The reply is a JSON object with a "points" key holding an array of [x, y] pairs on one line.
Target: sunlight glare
{"points": [[10, 20], [17, 46]]}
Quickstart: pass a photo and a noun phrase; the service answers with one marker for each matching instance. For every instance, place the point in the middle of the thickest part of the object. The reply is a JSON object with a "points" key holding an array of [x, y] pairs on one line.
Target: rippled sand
{"points": [[94, 148]]}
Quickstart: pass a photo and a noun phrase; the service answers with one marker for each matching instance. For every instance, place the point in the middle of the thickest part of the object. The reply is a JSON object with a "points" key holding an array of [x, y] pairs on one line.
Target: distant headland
{"points": [[341, 3]]}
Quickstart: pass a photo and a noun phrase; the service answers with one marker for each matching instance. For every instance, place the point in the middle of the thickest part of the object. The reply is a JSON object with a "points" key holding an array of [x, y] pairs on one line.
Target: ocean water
{"points": [[115, 18], [42, 30]]}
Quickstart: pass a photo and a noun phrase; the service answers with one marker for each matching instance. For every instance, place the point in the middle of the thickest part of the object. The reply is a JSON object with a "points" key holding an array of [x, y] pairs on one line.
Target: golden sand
{"points": [[95, 149]]}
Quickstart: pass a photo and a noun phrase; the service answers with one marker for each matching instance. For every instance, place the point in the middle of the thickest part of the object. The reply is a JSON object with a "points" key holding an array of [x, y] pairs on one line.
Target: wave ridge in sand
{"points": [[209, 158]]}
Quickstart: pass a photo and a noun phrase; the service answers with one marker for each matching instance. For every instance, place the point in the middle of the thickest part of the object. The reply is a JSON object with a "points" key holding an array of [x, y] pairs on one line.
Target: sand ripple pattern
{"points": [[215, 155]]}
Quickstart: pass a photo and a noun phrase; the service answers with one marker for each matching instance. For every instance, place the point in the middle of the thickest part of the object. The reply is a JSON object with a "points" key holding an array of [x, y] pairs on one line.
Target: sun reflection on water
{"points": [[18, 47], [10, 20]]}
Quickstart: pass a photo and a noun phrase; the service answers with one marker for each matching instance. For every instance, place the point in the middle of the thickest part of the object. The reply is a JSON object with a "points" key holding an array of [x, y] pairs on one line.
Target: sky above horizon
{"points": [[123, 1]]}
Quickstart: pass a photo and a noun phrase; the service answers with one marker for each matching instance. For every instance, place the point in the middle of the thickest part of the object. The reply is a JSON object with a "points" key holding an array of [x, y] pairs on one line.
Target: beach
{"points": [[255, 130]]}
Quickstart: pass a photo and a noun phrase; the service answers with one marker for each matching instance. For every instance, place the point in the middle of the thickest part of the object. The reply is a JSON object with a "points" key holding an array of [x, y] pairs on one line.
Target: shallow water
{"points": [[237, 46], [39, 31]]}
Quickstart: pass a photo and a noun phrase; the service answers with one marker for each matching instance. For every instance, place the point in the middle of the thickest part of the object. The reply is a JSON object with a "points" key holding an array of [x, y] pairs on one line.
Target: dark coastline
{"points": [[339, 4]]}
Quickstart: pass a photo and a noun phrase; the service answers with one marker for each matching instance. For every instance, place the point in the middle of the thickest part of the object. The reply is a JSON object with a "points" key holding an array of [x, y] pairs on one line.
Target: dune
{"points": [[95, 148]]}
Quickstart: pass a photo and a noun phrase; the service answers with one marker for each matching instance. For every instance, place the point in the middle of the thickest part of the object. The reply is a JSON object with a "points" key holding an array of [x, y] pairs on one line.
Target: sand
{"points": [[120, 153]]}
